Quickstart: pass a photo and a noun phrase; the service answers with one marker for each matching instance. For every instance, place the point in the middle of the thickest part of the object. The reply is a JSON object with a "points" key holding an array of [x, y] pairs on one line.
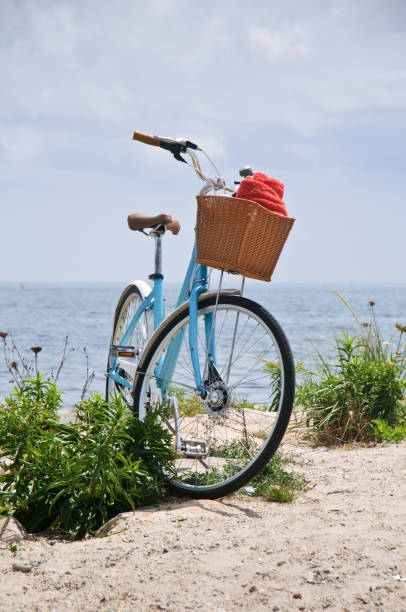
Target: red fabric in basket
{"points": [[266, 191]]}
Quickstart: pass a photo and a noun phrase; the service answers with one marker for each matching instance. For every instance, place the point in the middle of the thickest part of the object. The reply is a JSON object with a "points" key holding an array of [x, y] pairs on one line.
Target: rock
{"points": [[114, 525], [22, 566], [11, 531]]}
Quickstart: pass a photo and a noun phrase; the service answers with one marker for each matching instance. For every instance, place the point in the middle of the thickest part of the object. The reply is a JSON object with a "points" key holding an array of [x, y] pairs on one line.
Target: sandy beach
{"points": [[340, 546]]}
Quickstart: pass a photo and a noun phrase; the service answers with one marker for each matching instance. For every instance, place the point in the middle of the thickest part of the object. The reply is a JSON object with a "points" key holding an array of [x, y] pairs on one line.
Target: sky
{"points": [[312, 93]]}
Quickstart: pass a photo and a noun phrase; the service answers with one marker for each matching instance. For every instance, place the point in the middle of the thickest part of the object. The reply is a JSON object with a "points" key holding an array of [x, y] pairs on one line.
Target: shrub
{"points": [[75, 477], [388, 433], [367, 383]]}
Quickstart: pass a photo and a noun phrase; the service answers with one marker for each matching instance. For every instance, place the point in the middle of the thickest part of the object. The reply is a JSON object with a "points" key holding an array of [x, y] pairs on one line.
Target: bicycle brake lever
{"points": [[179, 157], [176, 147]]}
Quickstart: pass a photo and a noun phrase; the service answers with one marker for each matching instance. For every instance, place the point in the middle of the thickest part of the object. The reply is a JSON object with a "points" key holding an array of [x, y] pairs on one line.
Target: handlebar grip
{"points": [[147, 139]]}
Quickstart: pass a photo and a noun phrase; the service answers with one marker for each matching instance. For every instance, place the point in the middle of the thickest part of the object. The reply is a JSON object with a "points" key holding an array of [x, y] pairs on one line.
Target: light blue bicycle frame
{"points": [[196, 282]]}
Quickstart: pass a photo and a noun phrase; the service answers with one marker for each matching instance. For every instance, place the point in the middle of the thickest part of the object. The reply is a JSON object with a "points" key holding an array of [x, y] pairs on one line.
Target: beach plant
{"points": [[21, 368], [388, 433], [274, 371], [75, 477], [273, 483], [276, 484], [345, 398], [187, 406]]}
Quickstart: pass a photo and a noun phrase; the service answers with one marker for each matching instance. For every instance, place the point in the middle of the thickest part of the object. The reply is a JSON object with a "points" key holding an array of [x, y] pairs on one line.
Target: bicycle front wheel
{"points": [[227, 432]]}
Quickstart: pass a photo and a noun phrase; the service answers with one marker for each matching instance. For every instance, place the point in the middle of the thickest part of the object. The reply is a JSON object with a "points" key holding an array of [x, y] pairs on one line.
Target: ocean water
{"points": [[43, 314]]}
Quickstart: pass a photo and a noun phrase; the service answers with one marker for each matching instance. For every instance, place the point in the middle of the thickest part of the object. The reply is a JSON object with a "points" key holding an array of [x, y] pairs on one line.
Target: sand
{"points": [[340, 546]]}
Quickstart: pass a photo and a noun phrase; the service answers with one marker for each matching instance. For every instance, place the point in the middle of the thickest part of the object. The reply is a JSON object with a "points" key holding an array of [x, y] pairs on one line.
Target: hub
{"points": [[218, 398]]}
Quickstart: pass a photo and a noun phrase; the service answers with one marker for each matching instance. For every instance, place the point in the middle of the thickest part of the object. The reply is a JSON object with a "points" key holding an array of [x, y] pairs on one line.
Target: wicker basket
{"points": [[239, 236]]}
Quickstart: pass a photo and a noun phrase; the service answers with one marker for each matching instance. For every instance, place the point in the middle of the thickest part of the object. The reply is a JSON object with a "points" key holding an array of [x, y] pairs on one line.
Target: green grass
{"points": [[277, 484], [273, 483]]}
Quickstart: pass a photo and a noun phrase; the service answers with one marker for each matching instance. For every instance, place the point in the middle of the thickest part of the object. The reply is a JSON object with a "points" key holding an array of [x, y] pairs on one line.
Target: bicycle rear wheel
{"points": [[126, 308], [225, 435]]}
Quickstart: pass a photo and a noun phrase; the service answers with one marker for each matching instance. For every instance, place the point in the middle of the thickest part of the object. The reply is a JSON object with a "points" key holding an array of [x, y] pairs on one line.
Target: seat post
{"points": [[157, 277], [158, 254]]}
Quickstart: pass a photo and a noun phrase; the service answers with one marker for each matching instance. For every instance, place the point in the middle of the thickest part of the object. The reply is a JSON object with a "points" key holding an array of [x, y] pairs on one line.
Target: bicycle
{"points": [[218, 369]]}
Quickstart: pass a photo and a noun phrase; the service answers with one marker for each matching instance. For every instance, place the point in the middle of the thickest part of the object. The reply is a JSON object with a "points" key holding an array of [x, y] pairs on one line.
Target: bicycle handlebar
{"points": [[147, 139], [175, 146], [178, 146]]}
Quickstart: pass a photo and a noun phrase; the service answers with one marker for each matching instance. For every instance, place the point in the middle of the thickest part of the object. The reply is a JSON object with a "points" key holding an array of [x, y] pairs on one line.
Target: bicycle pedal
{"points": [[122, 351], [194, 449]]}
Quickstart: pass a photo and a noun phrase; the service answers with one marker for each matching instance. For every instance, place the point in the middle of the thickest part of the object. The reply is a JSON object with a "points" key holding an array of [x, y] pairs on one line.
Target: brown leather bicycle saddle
{"points": [[138, 221]]}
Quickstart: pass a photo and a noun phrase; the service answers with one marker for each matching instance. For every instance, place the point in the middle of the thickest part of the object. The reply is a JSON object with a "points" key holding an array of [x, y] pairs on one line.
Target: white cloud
{"points": [[291, 87], [283, 43]]}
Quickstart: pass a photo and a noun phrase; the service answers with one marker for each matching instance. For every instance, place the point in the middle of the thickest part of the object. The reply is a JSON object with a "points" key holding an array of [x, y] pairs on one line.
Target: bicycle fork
{"points": [[208, 373], [209, 325]]}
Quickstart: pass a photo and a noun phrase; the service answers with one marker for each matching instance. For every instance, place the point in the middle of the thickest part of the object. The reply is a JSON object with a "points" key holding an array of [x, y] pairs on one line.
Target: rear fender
{"points": [[142, 287]]}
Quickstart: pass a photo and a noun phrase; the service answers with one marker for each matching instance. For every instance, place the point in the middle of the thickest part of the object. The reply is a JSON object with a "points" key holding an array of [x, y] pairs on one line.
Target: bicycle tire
{"points": [[126, 307], [224, 471]]}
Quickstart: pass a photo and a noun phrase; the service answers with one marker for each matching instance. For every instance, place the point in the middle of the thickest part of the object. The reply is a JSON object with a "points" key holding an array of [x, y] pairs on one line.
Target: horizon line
{"points": [[250, 280]]}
